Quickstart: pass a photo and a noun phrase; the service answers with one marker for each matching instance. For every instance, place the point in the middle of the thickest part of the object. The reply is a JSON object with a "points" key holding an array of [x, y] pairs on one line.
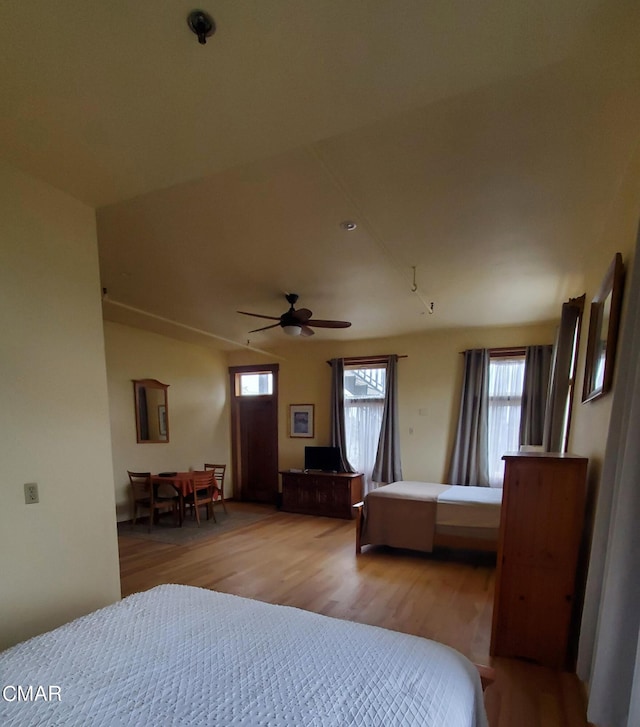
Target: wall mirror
{"points": [[603, 332], [152, 410]]}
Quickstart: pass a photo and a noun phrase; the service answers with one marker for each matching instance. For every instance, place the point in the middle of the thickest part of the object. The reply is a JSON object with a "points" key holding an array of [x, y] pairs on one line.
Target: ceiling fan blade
{"points": [[255, 330], [258, 315], [328, 324], [302, 315], [306, 331]]}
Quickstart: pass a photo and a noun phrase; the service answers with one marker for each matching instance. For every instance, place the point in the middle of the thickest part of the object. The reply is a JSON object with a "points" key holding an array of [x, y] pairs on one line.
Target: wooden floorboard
{"points": [[310, 562]]}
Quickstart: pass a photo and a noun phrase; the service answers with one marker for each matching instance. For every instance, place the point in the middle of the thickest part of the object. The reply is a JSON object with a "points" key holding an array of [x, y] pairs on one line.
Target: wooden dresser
{"points": [[542, 519], [321, 493]]}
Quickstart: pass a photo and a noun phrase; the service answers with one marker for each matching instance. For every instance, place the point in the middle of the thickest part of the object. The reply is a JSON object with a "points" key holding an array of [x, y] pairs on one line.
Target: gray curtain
{"points": [[609, 652], [387, 467], [338, 438], [562, 364], [537, 367], [470, 457]]}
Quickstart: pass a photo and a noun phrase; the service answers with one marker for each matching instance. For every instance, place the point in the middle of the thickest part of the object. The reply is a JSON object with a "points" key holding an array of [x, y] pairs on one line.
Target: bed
{"points": [[424, 515], [179, 655]]}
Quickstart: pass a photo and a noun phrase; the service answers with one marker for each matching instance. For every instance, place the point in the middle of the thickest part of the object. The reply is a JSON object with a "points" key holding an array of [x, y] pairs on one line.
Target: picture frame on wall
{"points": [[604, 321], [301, 420]]}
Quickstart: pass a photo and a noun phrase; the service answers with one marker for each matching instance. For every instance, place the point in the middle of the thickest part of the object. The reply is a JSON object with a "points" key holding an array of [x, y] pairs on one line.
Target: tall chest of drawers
{"points": [[542, 520]]}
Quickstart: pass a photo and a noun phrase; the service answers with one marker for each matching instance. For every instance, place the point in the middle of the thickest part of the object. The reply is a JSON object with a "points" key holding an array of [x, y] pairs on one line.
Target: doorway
{"points": [[254, 432]]}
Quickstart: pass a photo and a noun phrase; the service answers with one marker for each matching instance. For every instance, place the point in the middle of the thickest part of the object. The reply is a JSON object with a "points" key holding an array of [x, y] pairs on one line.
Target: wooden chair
{"points": [[144, 495], [205, 492], [140, 491], [218, 474]]}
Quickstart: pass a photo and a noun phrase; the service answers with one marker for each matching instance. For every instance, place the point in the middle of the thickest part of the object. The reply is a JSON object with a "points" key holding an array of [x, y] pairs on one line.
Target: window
{"points": [[506, 379], [259, 383], [364, 390]]}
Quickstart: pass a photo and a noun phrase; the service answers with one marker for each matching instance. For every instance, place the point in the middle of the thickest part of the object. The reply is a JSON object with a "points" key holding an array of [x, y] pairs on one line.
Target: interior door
{"points": [[254, 427]]}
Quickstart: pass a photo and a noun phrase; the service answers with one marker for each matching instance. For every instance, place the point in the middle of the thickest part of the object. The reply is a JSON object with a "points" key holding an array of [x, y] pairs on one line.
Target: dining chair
{"points": [[218, 474], [140, 491], [205, 492], [145, 495]]}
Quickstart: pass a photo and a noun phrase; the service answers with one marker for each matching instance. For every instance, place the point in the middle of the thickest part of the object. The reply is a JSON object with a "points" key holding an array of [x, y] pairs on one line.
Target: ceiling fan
{"points": [[296, 322]]}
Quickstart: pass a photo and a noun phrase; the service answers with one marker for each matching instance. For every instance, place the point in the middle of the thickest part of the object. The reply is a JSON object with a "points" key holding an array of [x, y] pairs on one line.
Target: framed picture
{"points": [[603, 332], [301, 420]]}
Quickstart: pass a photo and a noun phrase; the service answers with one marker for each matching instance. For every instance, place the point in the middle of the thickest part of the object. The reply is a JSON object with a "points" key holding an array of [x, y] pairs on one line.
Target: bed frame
{"points": [[440, 540]]}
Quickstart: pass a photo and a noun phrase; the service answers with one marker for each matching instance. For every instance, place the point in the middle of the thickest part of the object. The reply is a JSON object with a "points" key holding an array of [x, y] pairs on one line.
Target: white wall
{"points": [[197, 405], [58, 558]]}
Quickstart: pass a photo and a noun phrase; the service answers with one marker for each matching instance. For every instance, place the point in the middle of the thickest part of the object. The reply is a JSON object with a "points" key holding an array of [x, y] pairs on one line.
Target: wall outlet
{"points": [[31, 496]]}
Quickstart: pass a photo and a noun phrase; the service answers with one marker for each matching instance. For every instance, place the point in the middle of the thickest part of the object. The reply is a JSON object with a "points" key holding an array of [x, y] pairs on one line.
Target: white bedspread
{"points": [[178, 655], [468, 495], [466, 506]]}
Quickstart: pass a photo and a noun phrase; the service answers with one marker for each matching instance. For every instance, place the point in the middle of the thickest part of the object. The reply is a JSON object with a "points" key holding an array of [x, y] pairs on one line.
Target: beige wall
{"points": [[591, 420], [197, 405], [58, 558], [428, 388]]}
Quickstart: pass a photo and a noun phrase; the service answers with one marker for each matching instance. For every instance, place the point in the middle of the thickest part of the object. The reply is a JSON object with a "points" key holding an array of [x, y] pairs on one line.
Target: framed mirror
{"points": [[603, 333], [152, 411]]}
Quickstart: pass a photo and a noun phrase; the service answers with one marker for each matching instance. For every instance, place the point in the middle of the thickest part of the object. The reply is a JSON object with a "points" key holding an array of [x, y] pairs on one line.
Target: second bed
{"points": [[424, 515]]}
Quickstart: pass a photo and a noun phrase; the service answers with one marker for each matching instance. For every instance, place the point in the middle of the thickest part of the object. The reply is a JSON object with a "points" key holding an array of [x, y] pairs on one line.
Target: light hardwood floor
{"points": [[310, 562]]}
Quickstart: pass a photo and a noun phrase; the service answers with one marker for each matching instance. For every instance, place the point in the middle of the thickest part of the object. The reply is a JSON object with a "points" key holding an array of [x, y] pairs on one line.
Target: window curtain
{"points": [[504, 408], [537, 368], [609, 650], [556, 422], [470, 459], [388, 467], [338, 437], [363, 421]]}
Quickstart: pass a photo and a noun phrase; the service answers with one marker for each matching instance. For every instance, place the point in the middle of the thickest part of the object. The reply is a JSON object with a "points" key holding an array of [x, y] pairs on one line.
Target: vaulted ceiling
{"points": [[478, 147]]}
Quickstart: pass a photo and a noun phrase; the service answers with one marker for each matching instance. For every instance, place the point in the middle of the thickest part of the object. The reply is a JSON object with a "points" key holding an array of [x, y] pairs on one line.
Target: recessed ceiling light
{"points": [[348, 225]]}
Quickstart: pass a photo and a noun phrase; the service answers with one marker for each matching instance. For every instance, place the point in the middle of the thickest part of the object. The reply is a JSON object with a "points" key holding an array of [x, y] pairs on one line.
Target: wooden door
{"points": [[254, 427]]}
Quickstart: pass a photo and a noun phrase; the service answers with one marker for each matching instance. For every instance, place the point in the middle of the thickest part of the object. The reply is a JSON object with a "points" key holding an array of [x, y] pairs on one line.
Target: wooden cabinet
{"points": [[541, 525], [321, 493]]}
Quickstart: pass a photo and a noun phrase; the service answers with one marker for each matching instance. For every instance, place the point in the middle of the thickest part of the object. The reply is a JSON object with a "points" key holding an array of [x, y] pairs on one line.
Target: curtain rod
{"points": [[506, 351], [369, 359]]}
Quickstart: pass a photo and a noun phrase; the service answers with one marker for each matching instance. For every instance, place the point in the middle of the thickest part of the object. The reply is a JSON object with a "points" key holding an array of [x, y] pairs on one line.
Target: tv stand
{"points": [[331, 494]]}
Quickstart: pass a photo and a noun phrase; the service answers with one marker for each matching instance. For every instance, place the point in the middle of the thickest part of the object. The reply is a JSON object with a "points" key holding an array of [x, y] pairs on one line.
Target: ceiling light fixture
{"points": [[348, 225], [202, 24], [292, 330]]}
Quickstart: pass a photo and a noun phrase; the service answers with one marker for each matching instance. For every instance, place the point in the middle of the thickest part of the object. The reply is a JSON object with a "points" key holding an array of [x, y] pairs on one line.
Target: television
{"points": [[322, 459]]}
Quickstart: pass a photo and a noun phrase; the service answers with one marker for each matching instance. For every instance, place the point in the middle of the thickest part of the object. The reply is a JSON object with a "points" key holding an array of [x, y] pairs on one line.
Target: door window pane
{"points": [[254, 384]]}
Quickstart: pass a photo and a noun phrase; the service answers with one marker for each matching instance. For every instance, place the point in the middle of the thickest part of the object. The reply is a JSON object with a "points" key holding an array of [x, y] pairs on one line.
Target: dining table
{"points": [[181, 481]]}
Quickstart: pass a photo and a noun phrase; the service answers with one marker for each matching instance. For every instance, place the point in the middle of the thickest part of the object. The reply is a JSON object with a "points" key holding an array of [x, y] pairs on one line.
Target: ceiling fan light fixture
{"points": [[294, 322]]}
